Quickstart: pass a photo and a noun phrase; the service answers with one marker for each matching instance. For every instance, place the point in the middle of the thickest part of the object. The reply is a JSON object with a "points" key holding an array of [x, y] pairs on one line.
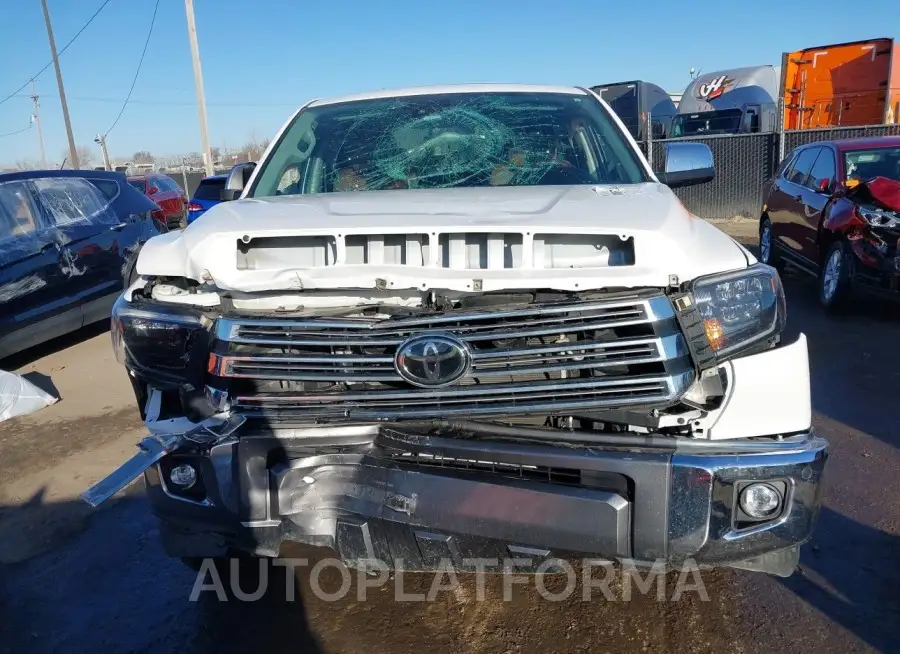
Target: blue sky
{"points": [[262, 59]]}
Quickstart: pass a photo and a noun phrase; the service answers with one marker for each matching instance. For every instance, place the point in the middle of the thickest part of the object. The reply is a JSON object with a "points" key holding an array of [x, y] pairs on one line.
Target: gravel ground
{"points": [[77, 580]]}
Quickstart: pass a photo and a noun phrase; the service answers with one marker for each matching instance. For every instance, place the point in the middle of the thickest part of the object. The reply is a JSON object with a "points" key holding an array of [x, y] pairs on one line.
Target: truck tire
{"points": [[835, 277], [768, 253]]}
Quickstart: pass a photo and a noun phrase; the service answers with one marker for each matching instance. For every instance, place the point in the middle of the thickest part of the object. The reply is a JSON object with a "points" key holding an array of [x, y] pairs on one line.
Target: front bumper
{"points": [[413, 501], [876, 267]]}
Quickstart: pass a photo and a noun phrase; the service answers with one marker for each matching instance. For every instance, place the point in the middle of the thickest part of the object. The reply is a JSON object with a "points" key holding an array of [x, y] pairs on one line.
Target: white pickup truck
{"points": [[462, 322]]}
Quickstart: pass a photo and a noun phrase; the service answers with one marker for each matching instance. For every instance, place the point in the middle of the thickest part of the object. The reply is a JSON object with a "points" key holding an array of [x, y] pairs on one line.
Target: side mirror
{"points": [[687, 164], [153, 190], [238, 178]]}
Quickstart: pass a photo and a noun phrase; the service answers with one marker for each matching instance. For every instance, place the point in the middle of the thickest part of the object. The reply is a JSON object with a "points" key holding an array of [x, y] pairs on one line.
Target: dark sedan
{"points": [[833, 210], [68, 245]]}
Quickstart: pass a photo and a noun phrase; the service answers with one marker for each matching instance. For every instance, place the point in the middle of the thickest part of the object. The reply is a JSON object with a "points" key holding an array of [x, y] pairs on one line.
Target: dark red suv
{"points": [[168, 196], [833, 210]]}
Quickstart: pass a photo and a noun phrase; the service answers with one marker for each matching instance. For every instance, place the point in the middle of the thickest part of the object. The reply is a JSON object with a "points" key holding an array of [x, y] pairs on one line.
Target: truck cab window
{"points": [[750, 122]]}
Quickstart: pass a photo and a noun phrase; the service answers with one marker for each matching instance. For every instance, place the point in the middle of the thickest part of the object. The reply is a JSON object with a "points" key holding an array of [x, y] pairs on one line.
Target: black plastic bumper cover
{"points": [[380, 495]]}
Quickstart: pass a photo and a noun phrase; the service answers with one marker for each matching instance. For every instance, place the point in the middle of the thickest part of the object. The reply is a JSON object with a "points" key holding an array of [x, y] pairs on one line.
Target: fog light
{"points": [[183, 476], [760, 500]]}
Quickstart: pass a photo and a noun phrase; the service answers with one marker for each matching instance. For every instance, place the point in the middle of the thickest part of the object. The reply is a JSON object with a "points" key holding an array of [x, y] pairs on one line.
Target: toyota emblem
{"points": [[431, 360]]}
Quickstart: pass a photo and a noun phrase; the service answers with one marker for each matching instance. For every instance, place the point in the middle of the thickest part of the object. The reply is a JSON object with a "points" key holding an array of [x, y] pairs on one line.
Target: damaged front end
{"points": [[415, 427], [871, 223]]}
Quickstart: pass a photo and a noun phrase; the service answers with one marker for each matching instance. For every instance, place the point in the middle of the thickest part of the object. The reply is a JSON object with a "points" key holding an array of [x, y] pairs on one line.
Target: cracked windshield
{"points": [[449, 140]]}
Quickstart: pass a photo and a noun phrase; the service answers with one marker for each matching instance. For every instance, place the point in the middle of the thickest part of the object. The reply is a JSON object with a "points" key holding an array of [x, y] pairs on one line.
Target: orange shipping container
{"points": [[854, 83]]}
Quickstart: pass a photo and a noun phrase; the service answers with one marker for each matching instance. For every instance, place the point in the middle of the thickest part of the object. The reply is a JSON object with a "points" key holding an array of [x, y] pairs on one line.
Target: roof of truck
{"points": [[452, 88]]}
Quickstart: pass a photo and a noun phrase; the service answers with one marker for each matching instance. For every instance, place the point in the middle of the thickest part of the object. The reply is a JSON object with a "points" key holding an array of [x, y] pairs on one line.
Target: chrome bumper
{"points": [[370, 492]]}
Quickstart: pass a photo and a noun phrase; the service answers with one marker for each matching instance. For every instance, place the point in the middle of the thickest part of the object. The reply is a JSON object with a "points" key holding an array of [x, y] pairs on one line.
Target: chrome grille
{"points": [[545, 358]]}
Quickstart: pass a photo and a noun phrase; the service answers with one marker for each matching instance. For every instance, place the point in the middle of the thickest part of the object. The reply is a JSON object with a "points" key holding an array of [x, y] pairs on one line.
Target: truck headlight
{"points": [[741, 308], [167, 344]]}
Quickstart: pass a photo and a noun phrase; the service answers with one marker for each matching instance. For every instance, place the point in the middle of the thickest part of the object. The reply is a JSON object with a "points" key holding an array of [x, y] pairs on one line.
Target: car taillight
{"points": [[193, 206], [159, 219]]}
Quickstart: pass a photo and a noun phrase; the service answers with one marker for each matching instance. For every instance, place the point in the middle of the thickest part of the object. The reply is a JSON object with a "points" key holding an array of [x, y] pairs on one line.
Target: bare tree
{"points": [[27, 164], [86, 156], [253, 150], [193, 159], [142, 156]]}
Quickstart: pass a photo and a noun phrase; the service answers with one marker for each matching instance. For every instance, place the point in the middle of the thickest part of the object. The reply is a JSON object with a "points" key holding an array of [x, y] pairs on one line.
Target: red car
{"points": [[168, 196], [833, 210]]}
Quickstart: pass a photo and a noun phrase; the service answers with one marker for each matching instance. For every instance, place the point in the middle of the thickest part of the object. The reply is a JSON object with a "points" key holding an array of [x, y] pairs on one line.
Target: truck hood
{"points": [[472, 239]]}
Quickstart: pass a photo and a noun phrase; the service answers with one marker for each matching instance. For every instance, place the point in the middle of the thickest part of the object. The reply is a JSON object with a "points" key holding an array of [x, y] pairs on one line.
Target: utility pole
{"points": [[73, 155], [198, 81], [101, 140], [37, 123], [184, 173]]}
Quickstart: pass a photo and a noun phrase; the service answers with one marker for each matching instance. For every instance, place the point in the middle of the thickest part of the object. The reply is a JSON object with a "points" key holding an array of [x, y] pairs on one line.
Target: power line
{"points": [[137, 72], [188, 103], [16, 132], [64, 48], [171, 103]]}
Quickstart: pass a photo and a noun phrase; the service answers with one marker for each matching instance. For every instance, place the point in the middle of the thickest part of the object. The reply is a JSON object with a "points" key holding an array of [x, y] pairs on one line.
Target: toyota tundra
{"points": [[467, 322]]}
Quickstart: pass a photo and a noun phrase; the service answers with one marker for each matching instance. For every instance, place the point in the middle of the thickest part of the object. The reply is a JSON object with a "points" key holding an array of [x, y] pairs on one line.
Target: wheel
{"points": [[768, 253], [834, 277]]}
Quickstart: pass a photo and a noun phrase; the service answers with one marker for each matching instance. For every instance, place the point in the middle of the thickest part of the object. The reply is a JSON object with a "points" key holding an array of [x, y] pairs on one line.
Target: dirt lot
{"points": [[82, 580]]}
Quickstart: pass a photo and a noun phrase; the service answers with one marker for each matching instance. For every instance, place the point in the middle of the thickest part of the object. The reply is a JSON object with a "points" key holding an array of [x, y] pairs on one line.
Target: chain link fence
{"points": [[745, 161]]}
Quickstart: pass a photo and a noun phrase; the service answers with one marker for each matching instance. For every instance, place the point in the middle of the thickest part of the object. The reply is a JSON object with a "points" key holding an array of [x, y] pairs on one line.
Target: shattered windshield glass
{"points": [[447, 141]]}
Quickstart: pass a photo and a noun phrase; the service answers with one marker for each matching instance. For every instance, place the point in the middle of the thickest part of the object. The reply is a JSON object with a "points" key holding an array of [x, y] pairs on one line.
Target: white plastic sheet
{"points": [[18, 396]]}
